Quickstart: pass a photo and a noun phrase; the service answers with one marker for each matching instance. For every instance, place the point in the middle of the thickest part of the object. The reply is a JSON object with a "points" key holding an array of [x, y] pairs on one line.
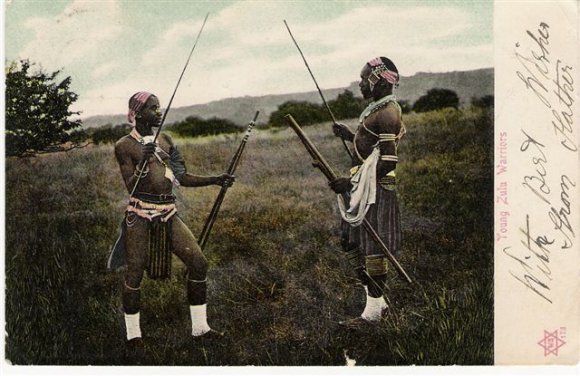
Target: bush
{"points": [[305, 113], [346, 106], [37, 111], [194, 126], [483, 102], [436, 99], [405, 106], [108, 134]]}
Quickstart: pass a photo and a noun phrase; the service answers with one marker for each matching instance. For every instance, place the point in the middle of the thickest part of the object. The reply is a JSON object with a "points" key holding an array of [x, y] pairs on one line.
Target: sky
{"points": [[114, 48]]}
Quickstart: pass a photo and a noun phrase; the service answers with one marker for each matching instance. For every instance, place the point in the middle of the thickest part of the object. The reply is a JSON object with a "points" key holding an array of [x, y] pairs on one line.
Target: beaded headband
{"points": [[137, 102], [380, 70]]}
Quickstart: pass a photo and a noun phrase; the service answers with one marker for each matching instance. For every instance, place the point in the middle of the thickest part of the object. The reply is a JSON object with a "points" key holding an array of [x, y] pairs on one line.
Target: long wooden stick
{"points": [[321, 164], [231, 169], [317, 87], [169, 104]]}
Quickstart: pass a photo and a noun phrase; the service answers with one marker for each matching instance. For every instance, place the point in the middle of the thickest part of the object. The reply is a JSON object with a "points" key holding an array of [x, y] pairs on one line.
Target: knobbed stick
{"points": [[321, 164], [231, 169]]}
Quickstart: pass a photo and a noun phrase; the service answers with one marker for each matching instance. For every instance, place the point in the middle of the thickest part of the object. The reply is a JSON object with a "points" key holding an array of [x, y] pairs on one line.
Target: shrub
{"points": [[346, 106], [108, 133], [305, 113], [436, 99], [483, 102], [194, 126], [37, 111]]}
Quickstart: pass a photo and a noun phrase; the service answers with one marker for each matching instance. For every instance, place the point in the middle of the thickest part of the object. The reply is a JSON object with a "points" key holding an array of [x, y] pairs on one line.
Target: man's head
{"points": [[144, 112], [378, 77]]}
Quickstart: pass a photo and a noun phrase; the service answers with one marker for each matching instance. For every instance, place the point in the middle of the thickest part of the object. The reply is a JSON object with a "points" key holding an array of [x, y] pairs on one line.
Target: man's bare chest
{"points": [[364, 141]]}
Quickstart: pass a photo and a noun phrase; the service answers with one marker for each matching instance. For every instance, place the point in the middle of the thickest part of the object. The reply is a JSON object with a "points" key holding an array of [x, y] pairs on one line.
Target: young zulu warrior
{"points": [[372, 185], [152, 228]]}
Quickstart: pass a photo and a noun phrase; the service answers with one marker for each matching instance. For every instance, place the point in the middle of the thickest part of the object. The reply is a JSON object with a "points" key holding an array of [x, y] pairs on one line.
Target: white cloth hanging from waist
{"points": [[363, 193]]}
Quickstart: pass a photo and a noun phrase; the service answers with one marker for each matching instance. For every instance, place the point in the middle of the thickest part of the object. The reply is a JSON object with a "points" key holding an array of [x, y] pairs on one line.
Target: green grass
{"points": [[278, 282]]}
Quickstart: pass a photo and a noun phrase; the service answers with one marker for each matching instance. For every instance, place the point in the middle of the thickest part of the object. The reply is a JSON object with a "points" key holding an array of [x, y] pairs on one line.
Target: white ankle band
{"points": [[199, 324], [374, 308], [132, 325]]}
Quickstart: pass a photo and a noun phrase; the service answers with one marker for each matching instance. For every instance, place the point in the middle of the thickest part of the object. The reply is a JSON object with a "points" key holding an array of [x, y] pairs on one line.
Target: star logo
{"points": [[551, 342]]}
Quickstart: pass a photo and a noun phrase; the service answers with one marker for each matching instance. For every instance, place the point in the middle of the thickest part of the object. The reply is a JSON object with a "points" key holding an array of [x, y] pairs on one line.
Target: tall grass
{"points": [[278, 282]]}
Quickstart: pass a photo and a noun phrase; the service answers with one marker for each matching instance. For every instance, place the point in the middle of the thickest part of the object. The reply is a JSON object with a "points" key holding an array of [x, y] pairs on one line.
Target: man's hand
{"points": [[147, 150], [225, 180], [342, 131], [340, 185]]}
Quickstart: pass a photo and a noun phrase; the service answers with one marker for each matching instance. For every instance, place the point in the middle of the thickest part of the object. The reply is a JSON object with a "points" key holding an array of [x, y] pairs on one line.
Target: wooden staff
{"points": [[321, 164], [231, 169]]}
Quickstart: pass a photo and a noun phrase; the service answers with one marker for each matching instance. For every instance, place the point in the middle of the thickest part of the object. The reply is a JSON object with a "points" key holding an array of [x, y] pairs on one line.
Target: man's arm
{"points": [[128, 168], [190, 180], [187, 179], [342, 131], [388, 124]]}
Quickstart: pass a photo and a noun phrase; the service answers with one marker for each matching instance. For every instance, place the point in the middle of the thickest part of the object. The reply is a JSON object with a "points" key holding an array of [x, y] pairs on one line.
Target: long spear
{"points": [[317, 87], [231, 169], [325, 168], [169, 105]]}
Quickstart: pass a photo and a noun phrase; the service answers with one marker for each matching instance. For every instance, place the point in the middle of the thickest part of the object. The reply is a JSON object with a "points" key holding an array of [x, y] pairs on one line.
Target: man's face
{"points": [[150, 113], [365, 88]]}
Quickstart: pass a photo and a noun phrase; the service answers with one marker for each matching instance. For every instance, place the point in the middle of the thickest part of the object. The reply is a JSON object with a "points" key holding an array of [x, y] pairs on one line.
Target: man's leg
{"points": [[186, 248], [376, 267], [353, 253], [384, 216], [136, 246]]}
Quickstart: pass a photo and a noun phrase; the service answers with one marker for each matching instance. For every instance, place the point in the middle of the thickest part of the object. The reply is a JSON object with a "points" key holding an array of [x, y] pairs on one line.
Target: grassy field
{"points": [[278, 282]]}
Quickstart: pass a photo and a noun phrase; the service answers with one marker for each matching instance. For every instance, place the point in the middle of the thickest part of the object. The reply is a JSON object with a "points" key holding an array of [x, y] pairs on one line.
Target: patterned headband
{"points": [[137, 102], [379, 69]]}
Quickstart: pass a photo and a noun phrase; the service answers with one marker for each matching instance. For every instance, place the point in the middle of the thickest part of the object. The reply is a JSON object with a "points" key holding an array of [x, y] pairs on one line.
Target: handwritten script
{"points": [[549, 82]]}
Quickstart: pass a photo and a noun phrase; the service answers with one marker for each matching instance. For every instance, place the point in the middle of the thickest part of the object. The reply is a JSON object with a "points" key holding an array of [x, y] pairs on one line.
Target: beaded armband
{"points": [[385, 138], [376, 265], [141, 173]]}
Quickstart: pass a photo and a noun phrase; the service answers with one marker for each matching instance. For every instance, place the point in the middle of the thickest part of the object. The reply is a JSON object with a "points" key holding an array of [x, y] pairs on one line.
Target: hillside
{"points": [[466, 84]]}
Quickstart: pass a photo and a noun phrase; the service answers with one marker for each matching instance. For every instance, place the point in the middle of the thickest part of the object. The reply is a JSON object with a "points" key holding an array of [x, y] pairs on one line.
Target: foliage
{"points": [[108, 133], [483, 102], [277, 281], [194, 126], [305, 113], [436, 99], [345, 106], [405, 106], [37, 111]]}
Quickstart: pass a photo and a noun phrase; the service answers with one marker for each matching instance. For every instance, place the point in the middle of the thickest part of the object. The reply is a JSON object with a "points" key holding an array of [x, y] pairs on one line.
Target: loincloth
{"points": [[150, 207], [158, 211]]}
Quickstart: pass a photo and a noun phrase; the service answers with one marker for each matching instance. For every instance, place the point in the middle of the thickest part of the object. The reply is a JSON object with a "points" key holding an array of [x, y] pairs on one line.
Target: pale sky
{"points": [[113, 48]]}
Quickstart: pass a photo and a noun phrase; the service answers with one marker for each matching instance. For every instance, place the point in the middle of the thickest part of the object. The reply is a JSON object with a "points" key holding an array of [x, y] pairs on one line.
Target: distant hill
{"points": [[466, 84]]}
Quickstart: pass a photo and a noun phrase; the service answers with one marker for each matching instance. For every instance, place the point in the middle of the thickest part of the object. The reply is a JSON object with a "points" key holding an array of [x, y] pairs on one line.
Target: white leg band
{"points": [[374, 308], [133, 326], [199, 324]]}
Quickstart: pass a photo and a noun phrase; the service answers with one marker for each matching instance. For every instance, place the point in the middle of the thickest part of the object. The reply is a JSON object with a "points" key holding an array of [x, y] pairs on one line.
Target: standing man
{"points": [[152, 229], [372, 185]]}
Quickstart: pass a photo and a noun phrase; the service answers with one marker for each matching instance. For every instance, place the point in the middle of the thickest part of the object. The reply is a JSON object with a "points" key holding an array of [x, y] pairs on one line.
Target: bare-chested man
{"points": [[152, 229], [372, 184]]}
